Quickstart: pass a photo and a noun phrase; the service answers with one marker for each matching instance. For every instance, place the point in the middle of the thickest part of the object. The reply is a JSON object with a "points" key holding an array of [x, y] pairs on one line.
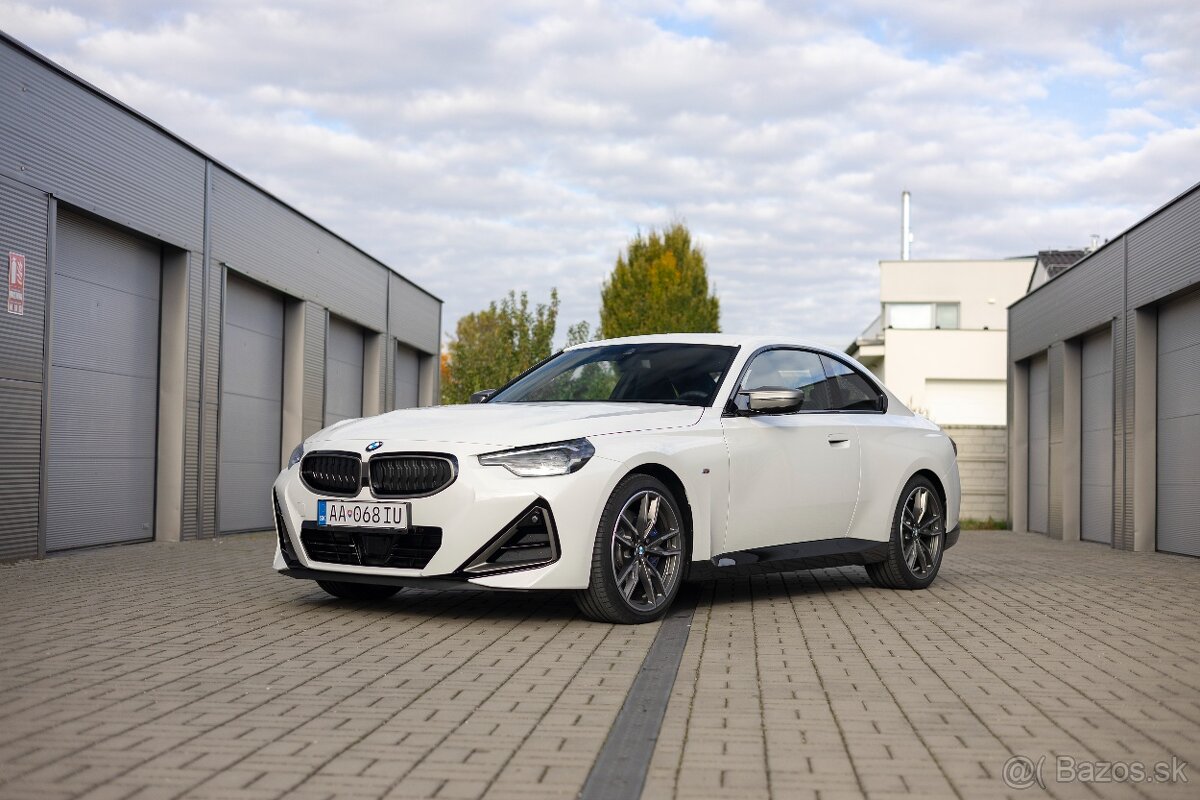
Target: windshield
{"points": [[687, 374]]}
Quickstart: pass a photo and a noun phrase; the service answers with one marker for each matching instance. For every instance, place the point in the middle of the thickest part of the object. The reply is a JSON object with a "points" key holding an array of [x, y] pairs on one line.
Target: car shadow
{"points": [[551, 605]]}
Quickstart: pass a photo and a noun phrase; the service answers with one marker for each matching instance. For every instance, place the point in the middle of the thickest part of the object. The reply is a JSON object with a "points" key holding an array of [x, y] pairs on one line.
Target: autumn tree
{"points": [[659, 285], [493, 346]]}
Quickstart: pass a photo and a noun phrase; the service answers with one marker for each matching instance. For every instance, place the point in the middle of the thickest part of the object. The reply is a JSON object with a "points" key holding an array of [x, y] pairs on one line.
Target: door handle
{"points": [[838, 438]]}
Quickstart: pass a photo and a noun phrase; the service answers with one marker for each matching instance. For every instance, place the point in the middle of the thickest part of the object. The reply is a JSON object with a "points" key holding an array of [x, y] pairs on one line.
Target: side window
{"points": [[788, 369], [849, 391]]}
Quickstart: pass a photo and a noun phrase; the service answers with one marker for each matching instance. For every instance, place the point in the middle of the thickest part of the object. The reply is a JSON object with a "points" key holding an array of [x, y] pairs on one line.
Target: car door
{"points": [[793, 477]]}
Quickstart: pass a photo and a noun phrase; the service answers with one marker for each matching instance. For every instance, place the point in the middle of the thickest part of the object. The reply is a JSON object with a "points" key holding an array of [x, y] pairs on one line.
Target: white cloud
{"points": [[478, 147]]}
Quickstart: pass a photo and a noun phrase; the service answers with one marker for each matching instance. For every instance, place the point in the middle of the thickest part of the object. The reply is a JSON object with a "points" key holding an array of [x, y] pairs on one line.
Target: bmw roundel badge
{"points": [[373, 446]]}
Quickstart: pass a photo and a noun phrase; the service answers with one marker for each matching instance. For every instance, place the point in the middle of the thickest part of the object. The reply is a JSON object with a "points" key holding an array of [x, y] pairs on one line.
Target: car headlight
{"points": [[296, 455], [556, 458]]}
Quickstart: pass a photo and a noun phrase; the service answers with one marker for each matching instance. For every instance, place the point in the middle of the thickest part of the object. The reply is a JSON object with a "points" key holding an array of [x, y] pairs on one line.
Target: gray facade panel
{"points": [[1096, 439], [315, 320], [407, 377], [23, 231], [251, 404], [260, 237], [20, 471], [1082, 298], [1054, 520], [343, 371], [1039, 444], [1164, 252], [1179, 426], [70, 141], [191, 424], [104, 386], [415, 317]]}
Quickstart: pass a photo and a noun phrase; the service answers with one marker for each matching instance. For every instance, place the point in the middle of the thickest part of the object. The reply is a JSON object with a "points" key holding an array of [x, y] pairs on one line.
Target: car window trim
{"points": [[726, 407]]}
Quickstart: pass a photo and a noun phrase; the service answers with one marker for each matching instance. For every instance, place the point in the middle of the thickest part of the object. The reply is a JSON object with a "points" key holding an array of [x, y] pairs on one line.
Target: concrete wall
{"points": [[983, 467]]}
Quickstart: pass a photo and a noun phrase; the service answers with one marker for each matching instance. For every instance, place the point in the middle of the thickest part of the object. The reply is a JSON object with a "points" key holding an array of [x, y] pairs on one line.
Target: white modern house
{"points": [[941, 337], [940, 343]]}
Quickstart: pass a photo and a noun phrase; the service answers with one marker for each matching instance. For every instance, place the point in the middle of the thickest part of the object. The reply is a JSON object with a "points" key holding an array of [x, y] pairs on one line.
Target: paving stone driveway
{"points": [[190, 670]]}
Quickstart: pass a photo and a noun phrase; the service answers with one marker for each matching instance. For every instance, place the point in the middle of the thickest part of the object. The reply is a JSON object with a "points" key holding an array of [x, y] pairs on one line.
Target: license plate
{"points": [[358, 514]]}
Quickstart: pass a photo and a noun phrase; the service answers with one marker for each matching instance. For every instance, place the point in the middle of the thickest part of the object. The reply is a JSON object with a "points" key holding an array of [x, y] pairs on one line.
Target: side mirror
{"points": [[779, 401], [482, 396]]}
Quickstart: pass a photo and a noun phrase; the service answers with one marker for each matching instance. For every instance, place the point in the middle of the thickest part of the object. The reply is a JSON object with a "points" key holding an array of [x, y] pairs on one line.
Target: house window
{"points": [[922, 316], [947, 315]]}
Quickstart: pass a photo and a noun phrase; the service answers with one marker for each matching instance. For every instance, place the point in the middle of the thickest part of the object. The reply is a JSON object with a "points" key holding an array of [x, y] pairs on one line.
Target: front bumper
{"points": [[470, 513]]}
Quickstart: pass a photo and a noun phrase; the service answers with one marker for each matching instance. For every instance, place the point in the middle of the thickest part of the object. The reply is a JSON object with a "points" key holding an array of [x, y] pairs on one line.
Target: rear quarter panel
{"points": [[894, 448]]}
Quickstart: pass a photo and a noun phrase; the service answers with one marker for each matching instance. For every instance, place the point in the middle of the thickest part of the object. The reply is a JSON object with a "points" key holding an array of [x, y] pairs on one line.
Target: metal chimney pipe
{"points": [[905, 235]]}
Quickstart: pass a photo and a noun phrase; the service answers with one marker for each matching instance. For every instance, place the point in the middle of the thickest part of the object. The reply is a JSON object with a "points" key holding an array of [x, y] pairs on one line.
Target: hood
{"points": [[502, 425]]}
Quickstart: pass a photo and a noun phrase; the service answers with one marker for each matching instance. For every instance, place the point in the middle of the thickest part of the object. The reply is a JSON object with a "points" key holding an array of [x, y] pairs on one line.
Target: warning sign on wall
{"points": [[16, 283]]}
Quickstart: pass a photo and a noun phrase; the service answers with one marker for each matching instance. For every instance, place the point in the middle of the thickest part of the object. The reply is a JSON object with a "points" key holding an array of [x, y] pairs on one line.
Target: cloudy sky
{"points": [[482, 147]]}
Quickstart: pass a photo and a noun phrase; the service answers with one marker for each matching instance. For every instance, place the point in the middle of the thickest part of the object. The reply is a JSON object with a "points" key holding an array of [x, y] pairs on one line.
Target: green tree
{"points": [[579, 333], [660, 285], [493, 346]]}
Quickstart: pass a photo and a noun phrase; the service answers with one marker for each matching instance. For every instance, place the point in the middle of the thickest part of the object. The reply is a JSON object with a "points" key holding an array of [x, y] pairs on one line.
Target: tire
{"points": [[914, 554], [371, 592], [640, 541]]}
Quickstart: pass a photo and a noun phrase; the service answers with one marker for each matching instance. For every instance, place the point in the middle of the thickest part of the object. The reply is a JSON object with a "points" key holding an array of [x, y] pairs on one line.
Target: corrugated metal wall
{"points": [[23, 226], [89, 152], [63, 143], [1152, 264], [415, 316], [269, 242]]}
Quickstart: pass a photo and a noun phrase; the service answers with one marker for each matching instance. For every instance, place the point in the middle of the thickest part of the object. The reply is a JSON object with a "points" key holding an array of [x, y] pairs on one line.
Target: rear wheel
{"points": [[358, 591], [639, 554], [918, 539]]}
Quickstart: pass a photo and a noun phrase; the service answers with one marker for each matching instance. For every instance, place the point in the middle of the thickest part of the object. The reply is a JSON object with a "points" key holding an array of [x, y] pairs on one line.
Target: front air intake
{"points": [[285, 541], [528, 541], [411, 474], [332, 473]]}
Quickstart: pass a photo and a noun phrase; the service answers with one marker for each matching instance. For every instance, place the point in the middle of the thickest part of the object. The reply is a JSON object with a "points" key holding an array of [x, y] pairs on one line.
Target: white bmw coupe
{"points": [[619, 469]]}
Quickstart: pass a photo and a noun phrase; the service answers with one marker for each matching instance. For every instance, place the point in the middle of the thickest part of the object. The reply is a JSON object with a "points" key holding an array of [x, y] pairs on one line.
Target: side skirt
{"points": [[841, 552]]}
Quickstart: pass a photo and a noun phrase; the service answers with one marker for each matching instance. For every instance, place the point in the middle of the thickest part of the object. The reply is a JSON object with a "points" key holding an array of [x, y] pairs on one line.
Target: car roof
{"points": [[727, 339]]}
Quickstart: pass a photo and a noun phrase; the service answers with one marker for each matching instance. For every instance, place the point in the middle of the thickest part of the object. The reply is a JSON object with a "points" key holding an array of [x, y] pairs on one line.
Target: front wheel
{"points": [[639, 555], [358, 591], [918, 539]]}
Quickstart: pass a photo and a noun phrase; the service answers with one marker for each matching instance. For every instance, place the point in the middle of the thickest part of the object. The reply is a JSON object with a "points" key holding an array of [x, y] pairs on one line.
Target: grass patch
{"points": [[988, 524]]}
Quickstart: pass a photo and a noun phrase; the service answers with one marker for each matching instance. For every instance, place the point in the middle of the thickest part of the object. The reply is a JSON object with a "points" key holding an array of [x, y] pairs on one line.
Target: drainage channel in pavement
{"points": [[619, 772]]}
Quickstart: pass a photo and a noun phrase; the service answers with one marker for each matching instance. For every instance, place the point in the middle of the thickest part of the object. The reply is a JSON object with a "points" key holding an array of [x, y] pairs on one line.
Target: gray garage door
{"points": [[251, 404], [343, 371], [1179, 426], [104, 386], [408, 371], [1096, 439], [1039, 444]]}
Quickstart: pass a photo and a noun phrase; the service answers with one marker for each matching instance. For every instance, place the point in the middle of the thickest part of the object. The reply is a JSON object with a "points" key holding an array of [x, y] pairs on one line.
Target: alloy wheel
{"points": [[646, 550], [922, 524]]}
